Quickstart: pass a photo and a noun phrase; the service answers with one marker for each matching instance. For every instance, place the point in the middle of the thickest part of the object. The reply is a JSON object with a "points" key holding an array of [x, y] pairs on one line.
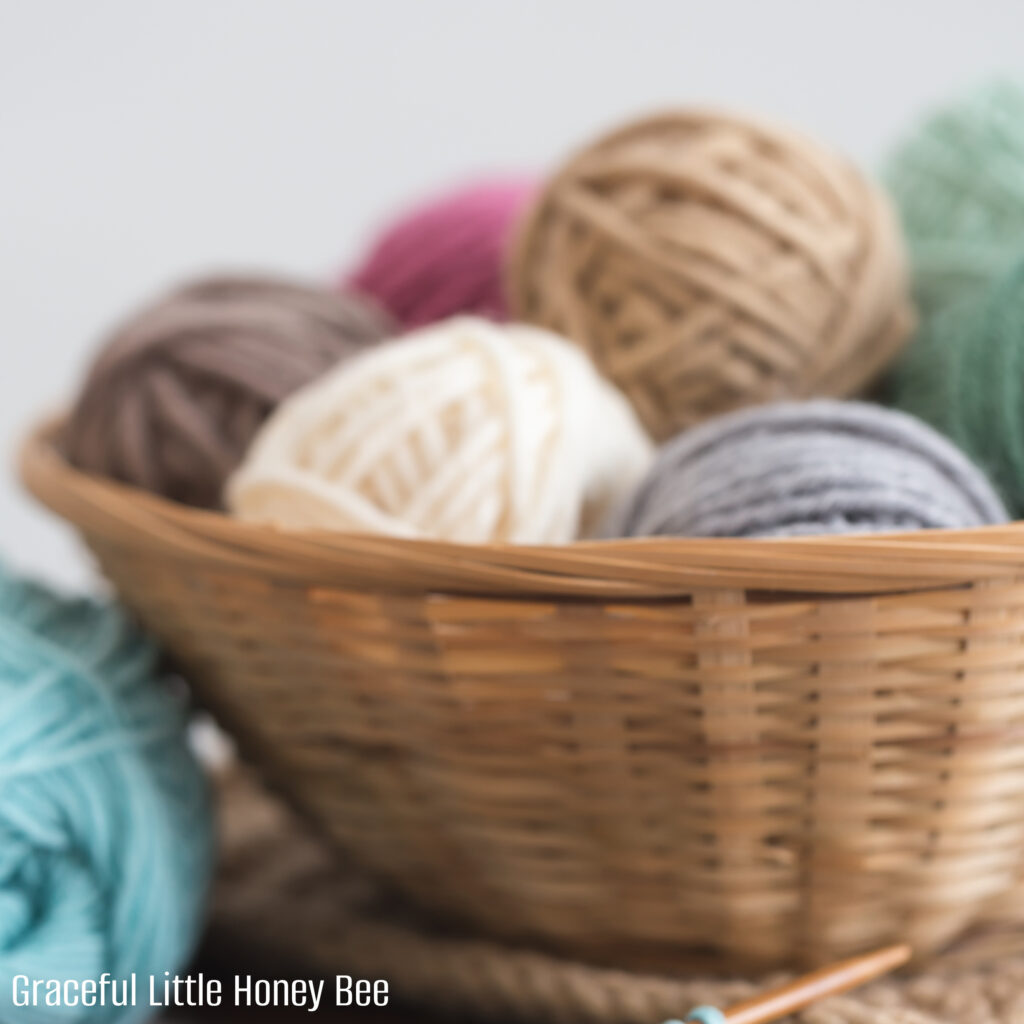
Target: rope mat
{"points": [[280, 893]]}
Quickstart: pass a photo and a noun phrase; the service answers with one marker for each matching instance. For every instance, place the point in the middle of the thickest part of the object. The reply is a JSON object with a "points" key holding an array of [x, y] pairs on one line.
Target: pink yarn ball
{"points": [[447, 255]]}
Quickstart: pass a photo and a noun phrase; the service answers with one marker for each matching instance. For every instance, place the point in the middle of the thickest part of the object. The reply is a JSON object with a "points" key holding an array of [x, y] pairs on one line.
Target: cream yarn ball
{"points": [[465, 431]]}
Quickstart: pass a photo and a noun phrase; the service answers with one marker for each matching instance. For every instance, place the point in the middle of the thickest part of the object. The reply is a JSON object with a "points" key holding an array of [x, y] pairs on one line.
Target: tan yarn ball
{"points": [[709, 262], [464, 431]]}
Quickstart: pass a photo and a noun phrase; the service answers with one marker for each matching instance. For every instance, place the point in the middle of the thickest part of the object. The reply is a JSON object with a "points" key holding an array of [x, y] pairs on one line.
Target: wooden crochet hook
{"points": [[800, 993]]}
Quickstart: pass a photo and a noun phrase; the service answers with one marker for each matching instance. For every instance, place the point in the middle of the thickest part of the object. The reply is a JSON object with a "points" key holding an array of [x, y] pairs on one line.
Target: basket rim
{"points": [[857, 564]]}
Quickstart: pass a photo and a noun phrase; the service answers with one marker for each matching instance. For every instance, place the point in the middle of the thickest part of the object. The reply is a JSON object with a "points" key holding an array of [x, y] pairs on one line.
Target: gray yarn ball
{"points": [[819, 467]]}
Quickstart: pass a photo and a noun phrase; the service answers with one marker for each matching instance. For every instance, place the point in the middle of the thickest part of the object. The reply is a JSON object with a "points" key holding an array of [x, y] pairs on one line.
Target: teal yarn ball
{"points": [[106, 835], [964, 374], [958, 183]]}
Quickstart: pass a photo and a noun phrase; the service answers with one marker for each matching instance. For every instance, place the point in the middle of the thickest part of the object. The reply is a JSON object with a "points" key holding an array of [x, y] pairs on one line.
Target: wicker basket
{"points": [[776, 751], [282, 903]]}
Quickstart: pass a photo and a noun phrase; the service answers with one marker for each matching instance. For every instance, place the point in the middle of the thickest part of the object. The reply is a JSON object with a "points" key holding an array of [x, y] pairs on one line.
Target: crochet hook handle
{"points": [[828, 981], [801, 992]]}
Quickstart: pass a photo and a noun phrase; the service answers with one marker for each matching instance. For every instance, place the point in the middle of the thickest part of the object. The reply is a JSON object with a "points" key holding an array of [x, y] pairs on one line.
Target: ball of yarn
{"points": [[709, 263], [106, 838], [175, 397], [964, 374], [958, 182], [445, 256], [465, 430], [819, 467]]}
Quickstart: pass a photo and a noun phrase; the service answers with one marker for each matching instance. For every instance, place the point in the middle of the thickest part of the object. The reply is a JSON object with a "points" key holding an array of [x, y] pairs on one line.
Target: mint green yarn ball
{"points": [[958, 183], [106, 833], [964, 374]]}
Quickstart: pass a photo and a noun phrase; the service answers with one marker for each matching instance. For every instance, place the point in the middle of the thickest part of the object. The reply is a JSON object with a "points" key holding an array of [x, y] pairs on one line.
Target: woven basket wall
{"points": [[775, 751]]}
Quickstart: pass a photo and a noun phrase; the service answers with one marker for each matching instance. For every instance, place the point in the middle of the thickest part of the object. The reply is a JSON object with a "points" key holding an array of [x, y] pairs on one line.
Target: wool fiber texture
{"points": [[177, 393], [445, 256], [958, 181], [964, 374], [465, 431], [106, 831], [819, 467], [710, 262]]}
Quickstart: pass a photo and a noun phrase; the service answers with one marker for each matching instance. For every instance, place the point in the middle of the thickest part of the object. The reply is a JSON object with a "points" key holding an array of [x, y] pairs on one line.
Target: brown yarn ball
{"points": [[709, 262], [180, 389]]}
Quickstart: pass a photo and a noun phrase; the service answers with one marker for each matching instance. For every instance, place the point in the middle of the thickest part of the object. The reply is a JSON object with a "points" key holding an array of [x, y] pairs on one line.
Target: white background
{"points": [[142, 140]]}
